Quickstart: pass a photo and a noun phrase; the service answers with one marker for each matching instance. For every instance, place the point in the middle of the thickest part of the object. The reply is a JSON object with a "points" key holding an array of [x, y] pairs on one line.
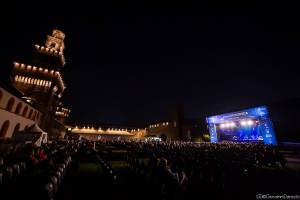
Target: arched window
{"points": [[53, 45], [33, 116], [1, 95], [10, 104], [37, 116], [4, 128], [25, 111], [30, 114], [18, 109], [17, 128]]}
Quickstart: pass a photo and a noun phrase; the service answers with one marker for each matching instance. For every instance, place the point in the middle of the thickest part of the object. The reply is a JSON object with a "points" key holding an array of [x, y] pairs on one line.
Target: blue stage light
{"points": [[250, 125]]}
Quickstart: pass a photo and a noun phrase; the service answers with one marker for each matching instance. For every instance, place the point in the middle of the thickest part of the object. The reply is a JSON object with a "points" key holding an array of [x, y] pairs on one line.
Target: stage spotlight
{"points": [[227, 125], [232, 124], [222, 126], [243, 123], [249, 122]]}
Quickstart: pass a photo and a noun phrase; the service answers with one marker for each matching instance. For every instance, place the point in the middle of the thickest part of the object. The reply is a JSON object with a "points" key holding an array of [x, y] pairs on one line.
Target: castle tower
{"points": [[177, 115], [41, 82], [56, 41]]}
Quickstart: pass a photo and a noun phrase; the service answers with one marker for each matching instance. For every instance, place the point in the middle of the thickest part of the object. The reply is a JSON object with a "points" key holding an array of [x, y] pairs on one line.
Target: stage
{"points": [[249, 125]]}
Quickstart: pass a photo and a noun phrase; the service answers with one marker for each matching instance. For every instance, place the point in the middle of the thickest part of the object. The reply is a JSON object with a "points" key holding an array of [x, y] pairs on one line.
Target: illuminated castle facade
{"points": [[35, 98], [176, 128], [40, 85]]}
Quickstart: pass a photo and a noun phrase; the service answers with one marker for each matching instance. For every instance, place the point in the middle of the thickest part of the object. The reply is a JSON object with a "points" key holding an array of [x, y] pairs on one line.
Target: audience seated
{"points": [[173, 169], [182, 168]]}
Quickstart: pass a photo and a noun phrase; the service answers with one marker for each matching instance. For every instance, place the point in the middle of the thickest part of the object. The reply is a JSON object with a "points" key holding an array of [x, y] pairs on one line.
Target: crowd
{"points": [[43, 169], [173, 170], [182, 169]]}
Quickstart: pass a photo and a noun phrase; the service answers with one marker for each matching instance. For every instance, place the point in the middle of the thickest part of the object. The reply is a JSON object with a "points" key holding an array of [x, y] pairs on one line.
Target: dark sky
{"points": [[132, 69]]}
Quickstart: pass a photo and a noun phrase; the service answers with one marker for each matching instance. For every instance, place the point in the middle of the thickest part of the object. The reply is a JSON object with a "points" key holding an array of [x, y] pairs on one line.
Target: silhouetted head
{"points": [[163, 163]]}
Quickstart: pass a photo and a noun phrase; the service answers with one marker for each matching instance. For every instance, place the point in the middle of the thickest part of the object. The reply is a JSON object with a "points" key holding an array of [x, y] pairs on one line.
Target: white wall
{"points": [[14, 118]]}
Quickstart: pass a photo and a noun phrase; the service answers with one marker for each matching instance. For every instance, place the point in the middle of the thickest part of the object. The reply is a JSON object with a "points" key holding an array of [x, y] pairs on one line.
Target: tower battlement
{"points": [[56, 41]]}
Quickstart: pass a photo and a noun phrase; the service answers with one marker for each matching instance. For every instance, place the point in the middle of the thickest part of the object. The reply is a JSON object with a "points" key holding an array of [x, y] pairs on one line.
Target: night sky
{"points": [[125, 69]]}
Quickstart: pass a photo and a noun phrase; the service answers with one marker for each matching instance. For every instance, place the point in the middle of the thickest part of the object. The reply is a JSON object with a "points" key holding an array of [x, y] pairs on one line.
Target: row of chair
{"points": [[9, 172], [108, 170], [57, 178]]}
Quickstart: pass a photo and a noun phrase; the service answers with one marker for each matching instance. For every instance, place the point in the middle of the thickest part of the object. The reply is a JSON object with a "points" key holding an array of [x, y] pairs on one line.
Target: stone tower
{"points": [[41, 81], [56, 41]]}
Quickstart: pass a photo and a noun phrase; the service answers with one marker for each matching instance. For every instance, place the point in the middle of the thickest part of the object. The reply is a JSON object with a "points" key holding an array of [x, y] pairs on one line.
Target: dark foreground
{"points": [[130, 170]]}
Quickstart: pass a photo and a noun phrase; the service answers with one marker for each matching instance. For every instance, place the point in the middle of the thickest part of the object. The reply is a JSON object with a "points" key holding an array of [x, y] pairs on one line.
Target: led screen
{"points": [[250, 125]]}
